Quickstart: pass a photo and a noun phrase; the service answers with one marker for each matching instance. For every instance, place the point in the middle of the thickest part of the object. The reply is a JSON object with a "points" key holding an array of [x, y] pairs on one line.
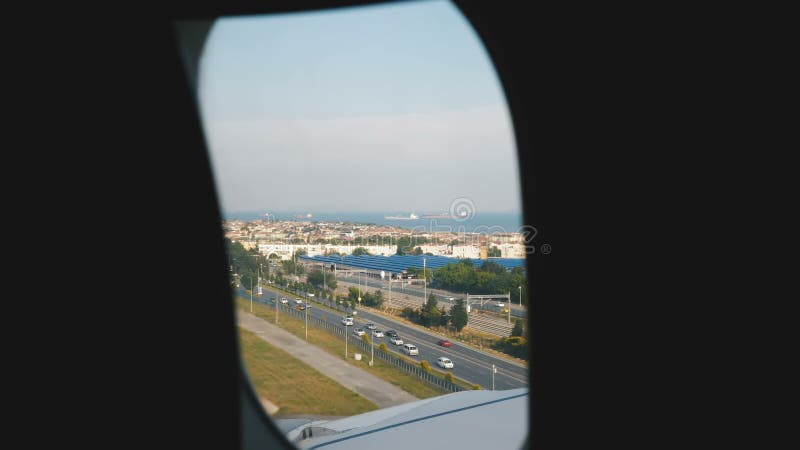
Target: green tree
{"points": [[410, 314], [404, 245], [315, 277], [517, 331], [417, 251], [494, 252], [459, 315], [430, 314], [358, 251]]}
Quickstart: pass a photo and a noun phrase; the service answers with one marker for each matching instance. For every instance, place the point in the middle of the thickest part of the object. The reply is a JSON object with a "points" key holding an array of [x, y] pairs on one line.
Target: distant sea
{"points": [[481, 222]]}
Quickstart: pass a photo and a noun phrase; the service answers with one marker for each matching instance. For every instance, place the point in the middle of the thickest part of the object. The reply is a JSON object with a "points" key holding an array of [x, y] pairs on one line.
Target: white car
{"points": [[444, 363], [284, 300], [347, 321], [377, 333], [359, 332], [396, 340], [370, 326], [298, 302], [410, 349]]}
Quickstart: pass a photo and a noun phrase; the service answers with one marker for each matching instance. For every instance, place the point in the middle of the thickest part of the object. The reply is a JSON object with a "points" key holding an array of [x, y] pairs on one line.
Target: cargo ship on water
{"points": [[411, 216], [460, 215], [436, 216]]}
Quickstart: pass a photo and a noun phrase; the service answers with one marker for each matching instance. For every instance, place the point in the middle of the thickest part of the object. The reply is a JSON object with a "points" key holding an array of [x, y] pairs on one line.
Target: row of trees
{"points": [[373, 299], [246, 263], [490, 278], [319, 279], [430, 314]]}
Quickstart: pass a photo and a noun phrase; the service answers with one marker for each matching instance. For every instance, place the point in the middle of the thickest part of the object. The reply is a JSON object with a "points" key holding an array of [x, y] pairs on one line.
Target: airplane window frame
{"points": [[189, 58]]}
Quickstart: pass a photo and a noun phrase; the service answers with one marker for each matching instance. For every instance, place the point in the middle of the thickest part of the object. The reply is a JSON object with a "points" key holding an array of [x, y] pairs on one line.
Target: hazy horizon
{"points": [[384, 108]]}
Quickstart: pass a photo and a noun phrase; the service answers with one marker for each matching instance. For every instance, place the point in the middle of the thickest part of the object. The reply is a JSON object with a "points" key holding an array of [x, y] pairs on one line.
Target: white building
{"points": [[512, 250], [439, 250], [466, 251], [285, 251], [381, 250]]}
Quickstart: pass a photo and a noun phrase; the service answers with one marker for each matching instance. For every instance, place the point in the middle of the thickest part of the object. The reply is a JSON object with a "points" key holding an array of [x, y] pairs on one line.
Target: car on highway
{"points": [[444, 343], [298, 302], [359, 332], [371, 326], [391, 333], [444, 363], [377, 333], [410, 349], [347, 321], [284, 300], [396, 340]]}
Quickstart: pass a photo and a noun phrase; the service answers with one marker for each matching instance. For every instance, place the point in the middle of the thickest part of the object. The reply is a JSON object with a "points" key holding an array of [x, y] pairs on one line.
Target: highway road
{"points": [[469, 364]]}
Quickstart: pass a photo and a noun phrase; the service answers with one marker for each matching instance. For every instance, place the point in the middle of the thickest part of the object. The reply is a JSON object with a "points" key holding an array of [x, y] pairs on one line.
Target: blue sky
{"points": [[378, 108]]}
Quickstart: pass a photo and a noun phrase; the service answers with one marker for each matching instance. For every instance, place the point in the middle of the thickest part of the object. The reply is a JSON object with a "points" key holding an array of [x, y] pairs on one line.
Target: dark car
{"points": [[444, 343], [391, 333]]}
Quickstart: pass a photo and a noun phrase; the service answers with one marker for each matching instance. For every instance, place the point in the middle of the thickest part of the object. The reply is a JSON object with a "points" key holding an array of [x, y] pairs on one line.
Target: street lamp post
{"points": [[509, 307], [251, 295], [425, 282], [372, 350], [494, 371], [520, 296], [306, 310]]}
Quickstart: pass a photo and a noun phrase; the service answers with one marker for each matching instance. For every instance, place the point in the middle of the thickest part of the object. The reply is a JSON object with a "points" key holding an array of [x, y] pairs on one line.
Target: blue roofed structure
{"points": [[401, 263]]}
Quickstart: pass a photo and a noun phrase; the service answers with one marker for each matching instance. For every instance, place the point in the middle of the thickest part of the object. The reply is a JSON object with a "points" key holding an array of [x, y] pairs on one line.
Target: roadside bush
{"points": [[410, 314], [476, 387], [365, 338], [516, 346], [425, 366], [448, 376], [383, 347]]}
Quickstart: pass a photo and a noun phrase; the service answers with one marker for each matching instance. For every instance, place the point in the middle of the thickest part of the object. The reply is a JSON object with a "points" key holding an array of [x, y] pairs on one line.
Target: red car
{"points": [[444, 343]]}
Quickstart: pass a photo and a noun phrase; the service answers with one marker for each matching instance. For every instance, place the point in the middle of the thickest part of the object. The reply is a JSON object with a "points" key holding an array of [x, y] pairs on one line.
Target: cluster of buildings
{"points": [[284, 238]]}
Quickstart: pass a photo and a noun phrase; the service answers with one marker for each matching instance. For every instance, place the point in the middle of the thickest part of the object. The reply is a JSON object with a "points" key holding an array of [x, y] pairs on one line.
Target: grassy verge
{"points": [[334, 345], [294, 386]]}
